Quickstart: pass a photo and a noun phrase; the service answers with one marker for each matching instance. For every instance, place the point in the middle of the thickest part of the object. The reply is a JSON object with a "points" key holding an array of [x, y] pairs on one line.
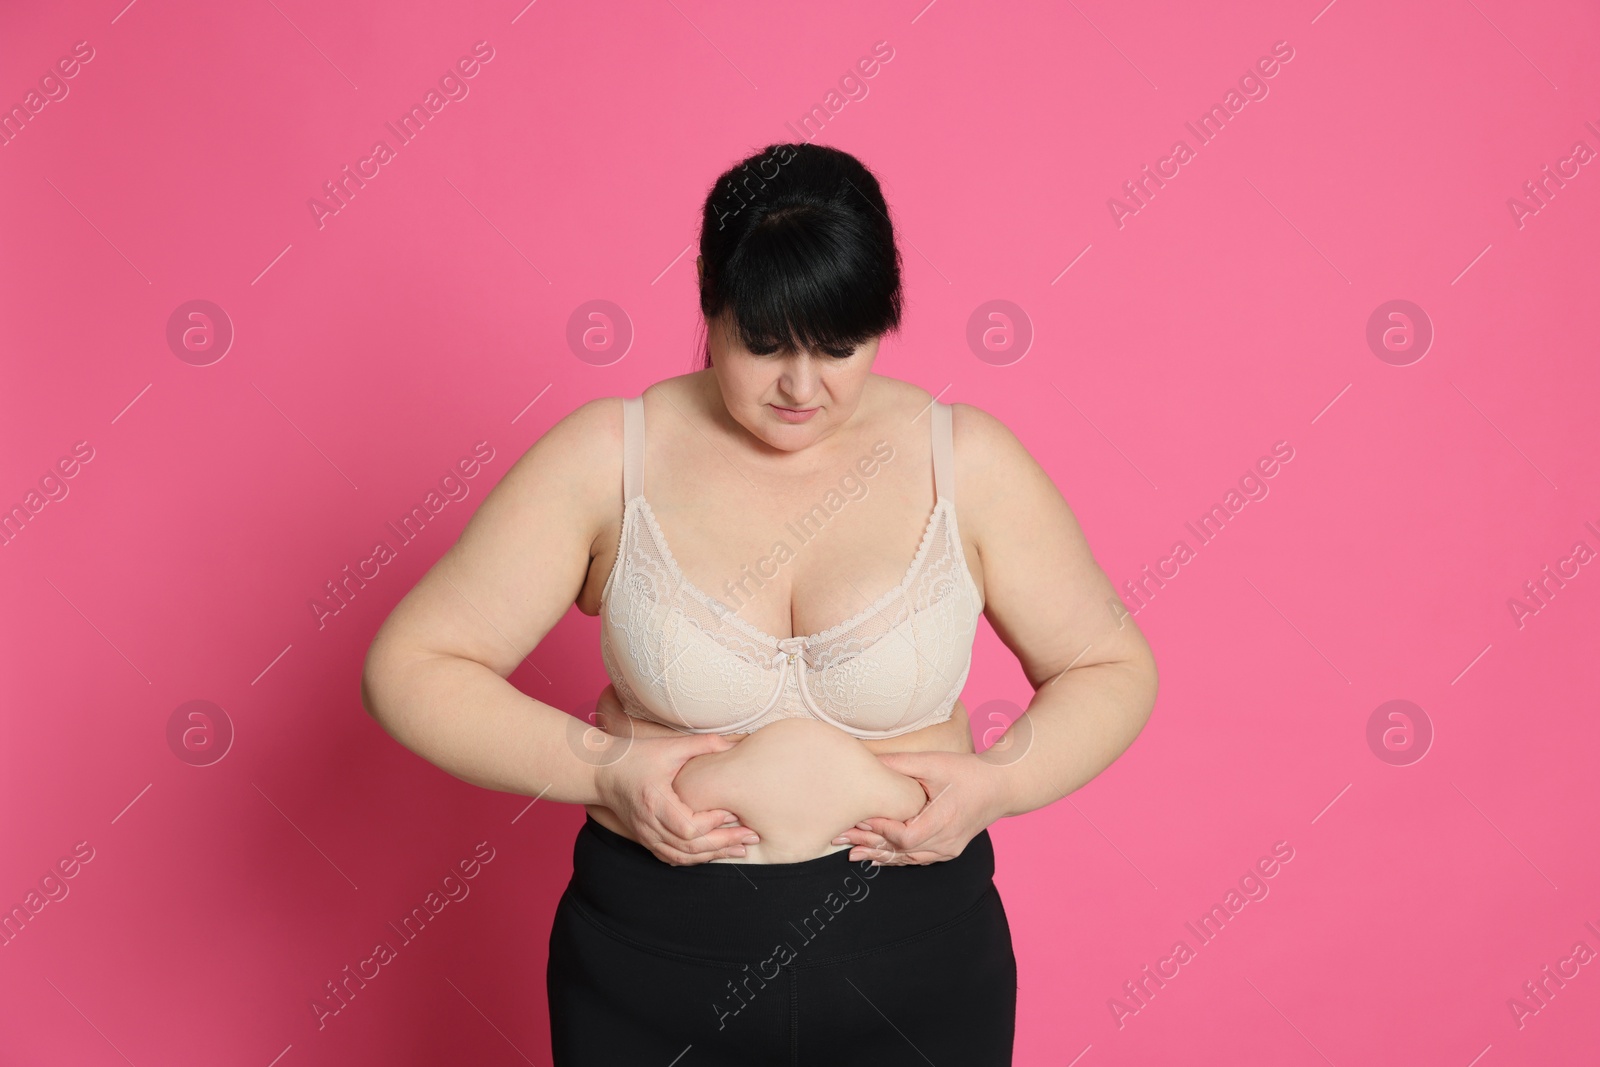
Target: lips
{"points": [[794, 414]]}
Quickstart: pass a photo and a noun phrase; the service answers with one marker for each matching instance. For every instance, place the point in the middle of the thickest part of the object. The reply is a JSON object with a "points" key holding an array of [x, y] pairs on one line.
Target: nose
{"points": [[800, 378]]}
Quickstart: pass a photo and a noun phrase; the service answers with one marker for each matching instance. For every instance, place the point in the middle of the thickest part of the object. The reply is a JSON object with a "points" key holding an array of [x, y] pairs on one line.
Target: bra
{"points": [[682, 658]]}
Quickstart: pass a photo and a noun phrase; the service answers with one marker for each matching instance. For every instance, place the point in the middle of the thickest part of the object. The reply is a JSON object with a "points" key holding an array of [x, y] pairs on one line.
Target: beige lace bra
{"points": [[682, 658]]}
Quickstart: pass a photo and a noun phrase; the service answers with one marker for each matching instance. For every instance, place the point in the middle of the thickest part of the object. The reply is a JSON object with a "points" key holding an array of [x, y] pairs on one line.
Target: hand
{"points": [[965, 794], [638, 788]]}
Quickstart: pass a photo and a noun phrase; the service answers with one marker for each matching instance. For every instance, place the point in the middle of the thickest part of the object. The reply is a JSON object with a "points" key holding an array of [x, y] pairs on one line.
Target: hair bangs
{"points": [[798, 253], [794, 285]]}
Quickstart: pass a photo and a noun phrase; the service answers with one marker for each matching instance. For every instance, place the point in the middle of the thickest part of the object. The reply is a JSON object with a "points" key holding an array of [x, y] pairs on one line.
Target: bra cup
{"points": [[876, 690], [707, 685], [678, 658], [904, 676], [704, 686]]}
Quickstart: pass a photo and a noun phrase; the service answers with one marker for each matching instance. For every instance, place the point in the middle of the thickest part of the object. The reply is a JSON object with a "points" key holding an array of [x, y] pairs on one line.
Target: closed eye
{"points": [[835, 351]]}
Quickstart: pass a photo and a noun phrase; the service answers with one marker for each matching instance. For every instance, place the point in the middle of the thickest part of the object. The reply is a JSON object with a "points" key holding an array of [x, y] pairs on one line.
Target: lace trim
{"points": [[831, 670], [723, 613]]}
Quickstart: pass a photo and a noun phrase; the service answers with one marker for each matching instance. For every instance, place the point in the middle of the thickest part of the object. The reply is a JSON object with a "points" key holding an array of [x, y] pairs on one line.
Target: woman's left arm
{"points": [[1092, 672]]}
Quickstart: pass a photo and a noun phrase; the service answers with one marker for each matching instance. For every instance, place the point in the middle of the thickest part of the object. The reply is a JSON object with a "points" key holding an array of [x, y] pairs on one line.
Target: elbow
{"points": [[1151, 684], [375, 674], [367, 700], [1138, 689]]}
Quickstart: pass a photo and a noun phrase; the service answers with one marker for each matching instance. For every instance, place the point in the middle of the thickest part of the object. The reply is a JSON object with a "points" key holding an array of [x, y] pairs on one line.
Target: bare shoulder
{"points": [[991, 463], [998, 481], [900, 396], [522, 558], [899, 402], [980, 438], [587, 428], [986, 450], [575, 465]]}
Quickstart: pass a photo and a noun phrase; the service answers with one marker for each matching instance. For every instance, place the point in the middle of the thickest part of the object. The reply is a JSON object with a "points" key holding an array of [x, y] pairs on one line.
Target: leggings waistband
{"points": [[728, 911]]}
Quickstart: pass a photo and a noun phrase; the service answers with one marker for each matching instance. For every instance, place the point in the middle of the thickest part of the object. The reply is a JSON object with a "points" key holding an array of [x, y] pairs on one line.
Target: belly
{"points": [[799, 782]]}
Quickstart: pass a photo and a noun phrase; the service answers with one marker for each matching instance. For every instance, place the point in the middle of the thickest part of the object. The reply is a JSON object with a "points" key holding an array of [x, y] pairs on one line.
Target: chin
{"points": [[790, 446]]}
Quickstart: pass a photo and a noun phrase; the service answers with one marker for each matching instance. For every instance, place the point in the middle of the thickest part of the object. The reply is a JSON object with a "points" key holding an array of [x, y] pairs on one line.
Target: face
{"points": [[792, 398]]}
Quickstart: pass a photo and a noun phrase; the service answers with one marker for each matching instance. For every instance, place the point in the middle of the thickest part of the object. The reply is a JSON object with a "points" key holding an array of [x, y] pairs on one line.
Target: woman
{"points": [[786, 857]]}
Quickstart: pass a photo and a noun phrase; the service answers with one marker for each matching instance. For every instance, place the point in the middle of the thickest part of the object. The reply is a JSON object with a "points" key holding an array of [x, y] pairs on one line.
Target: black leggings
{"points": [[823, 962]]}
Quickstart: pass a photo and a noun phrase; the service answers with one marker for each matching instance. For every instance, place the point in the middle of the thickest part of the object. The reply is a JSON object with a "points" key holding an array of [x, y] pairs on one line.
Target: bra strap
{"points": [[632, 447], [944, 475]]}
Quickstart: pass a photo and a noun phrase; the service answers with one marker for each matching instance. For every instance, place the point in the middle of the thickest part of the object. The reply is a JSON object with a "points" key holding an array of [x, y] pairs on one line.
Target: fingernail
{"points": [[752, 839], [732, 820], [736, 850], [862, 826], [841, 840]]}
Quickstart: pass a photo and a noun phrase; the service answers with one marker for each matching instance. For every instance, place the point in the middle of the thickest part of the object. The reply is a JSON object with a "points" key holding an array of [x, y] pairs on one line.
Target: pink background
{"points": [[432, 312]]}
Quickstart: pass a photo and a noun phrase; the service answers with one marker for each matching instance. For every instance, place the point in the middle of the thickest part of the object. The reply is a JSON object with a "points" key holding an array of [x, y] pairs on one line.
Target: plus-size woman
{"points": [[786, 857]]}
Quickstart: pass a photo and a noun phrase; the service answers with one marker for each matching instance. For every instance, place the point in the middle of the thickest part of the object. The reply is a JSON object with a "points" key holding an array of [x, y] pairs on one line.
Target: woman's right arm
{"points": [[435, 674]]}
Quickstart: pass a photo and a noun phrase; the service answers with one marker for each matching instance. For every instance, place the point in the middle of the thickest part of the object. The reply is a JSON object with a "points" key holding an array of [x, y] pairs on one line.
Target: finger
{"points": [[906, 763], [680, 854], [717, 833], [719, 840], [881, 856], [700, 832], [918, 858], [716, 817], [914, 837], [692, 745], [662, 850], [680, 858], [667, 854], [914, 832], [903, 858], [675, 818], [719, 837]]}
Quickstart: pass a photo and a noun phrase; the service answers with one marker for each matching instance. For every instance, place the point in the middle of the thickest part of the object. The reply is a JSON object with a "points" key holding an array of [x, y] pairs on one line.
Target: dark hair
{"points": [[798, 246]]}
